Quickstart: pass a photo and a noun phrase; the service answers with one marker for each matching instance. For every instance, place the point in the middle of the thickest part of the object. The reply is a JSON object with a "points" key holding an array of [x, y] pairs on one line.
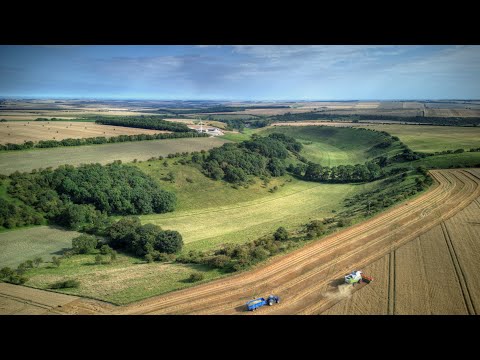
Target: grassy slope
{"points": [[126, 280], [434, 138], [17, 246], [210, 212], [239, 137], [142, 150], [331, 146]]}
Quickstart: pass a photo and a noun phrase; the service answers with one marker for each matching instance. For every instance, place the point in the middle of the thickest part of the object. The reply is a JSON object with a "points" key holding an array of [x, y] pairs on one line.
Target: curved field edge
{"points": [[333, 146], [303, 274]]}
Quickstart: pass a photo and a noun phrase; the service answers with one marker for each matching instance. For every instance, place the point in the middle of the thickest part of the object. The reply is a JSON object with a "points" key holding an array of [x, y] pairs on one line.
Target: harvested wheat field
{"points": [[21, 300], [436, 273], [452, 112], [309, 280], [19, 132]]}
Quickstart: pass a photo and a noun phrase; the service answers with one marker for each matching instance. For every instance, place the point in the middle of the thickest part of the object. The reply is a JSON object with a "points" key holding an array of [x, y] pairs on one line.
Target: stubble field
{"points": [[19, 132]]}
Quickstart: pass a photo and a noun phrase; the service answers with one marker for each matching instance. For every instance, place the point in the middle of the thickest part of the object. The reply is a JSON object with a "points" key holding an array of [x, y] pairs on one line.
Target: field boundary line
{"points": [[25, 301], [391, 283]]}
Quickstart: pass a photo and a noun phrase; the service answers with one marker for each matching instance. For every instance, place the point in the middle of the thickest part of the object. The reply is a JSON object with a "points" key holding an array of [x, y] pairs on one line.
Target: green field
{"points": [[211, 212], [434, 138], [239, 137], [333, 146], [128, 151], [466, 159], [17, 246], [125, 280]]}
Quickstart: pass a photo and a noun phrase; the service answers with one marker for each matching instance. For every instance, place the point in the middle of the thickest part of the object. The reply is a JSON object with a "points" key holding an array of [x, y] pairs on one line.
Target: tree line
{"points": [[98, 140], [241, 124], [342, 173], [431, 120], [144, 122]]}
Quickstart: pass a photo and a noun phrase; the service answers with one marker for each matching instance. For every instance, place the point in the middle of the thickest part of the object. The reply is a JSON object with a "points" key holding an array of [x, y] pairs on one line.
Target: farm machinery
{"points": [[357, 277], [253, 305]]}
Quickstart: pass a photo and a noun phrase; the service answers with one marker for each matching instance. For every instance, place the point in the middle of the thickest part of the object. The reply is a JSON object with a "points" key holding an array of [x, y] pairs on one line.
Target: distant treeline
{"points": [[144, 122], [445, 121], [221, 109], [240, 124], [98, 140]]}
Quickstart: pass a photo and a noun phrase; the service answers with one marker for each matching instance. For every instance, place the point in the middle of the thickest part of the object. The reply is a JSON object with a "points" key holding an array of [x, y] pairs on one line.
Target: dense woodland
{"points": [[15, 215], [128, 234], [260, 156], [83, 197]]}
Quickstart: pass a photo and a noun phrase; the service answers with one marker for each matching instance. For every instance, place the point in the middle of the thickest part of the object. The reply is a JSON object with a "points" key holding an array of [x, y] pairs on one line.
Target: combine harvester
{"points": [[253, 305], [357, 277]]}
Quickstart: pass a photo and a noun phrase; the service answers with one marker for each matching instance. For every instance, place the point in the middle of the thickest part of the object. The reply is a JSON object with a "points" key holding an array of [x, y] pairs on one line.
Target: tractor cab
{"points": [[273, 299], [357, 277], [353, 278]]}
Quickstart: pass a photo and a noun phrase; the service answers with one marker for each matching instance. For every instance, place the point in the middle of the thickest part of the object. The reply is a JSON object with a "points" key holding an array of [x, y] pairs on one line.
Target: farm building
{"points": [[212, 131]]}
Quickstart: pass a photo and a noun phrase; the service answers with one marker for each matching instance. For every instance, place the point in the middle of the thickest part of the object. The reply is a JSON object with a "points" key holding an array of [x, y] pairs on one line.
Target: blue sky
{"points": [[241, 72]]}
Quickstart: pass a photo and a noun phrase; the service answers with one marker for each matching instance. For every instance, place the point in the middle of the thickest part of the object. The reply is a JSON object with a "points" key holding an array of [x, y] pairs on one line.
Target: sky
{"points": [[241, 72]]}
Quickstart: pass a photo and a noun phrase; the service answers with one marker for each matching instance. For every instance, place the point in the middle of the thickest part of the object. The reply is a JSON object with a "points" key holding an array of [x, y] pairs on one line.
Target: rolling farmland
{"points": [[309, 279], [19, 132], [424, 138], [142, 150]]}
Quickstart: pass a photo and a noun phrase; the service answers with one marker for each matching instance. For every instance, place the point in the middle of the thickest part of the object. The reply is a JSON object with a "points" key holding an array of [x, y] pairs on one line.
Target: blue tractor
{"points": [[253, 305]]}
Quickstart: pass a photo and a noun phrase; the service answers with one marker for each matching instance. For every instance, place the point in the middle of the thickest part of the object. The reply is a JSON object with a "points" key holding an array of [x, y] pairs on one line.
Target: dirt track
{"points": [[307, 280]]}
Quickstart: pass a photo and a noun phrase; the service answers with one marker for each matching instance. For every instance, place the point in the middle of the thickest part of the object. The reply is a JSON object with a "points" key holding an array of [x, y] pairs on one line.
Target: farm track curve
{"points": [[306, 279]]}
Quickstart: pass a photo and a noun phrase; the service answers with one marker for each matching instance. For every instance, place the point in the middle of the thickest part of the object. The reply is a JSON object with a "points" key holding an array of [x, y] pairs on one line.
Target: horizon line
{"points": [[224, 100]]}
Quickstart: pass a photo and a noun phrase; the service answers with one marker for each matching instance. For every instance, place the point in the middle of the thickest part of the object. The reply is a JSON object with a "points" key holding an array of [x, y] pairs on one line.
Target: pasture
{"points": [[211, 212], [423, 138], [27, 160], [332, 146], [17, 246]]}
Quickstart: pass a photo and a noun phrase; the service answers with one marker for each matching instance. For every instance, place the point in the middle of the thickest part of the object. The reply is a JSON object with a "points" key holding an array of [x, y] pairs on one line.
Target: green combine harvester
{"points": [[357, 277]]}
